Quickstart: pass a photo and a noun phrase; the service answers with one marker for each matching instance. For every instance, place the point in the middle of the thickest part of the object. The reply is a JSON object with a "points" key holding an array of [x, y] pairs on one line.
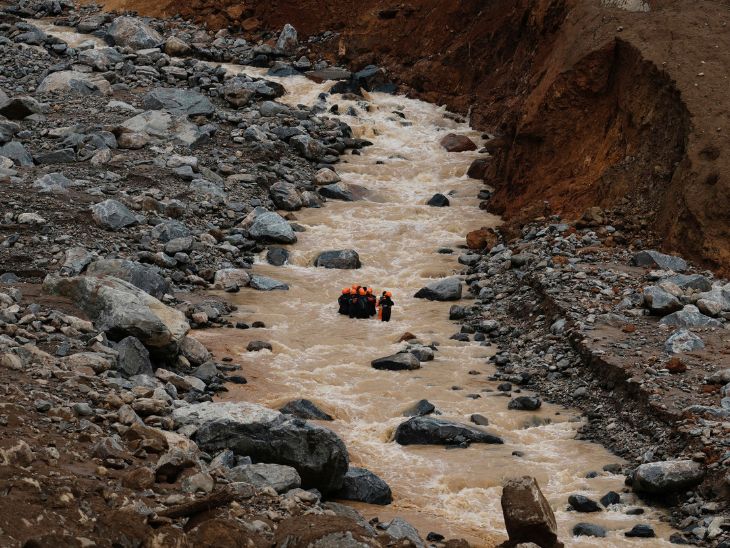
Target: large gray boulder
{"points": [[75, 261], [689, 316], [121, 310], [101, 59], [169, 230], [178, 101], [267, 436], [528, 517], [133, 33], [288, 41], [448, 289], [337, 191], [397, 362], [17, 153], [660, 302], [112, 215], [308, 147], [654, 259], [145, 277], [666, 477], [285, 196], [717, 297], [270, 227], [83, 83], [683, 340], [281, 478], [346, 259], [363, 486], [163, 126], [689, 281], [431, 431]]}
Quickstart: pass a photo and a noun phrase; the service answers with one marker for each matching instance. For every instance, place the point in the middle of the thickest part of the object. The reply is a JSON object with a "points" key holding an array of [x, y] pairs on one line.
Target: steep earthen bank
{"points": [[592, 105]]}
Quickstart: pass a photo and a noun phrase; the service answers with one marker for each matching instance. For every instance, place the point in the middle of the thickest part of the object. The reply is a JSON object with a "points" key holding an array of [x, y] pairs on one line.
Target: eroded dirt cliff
{"points": [[593, 105]]}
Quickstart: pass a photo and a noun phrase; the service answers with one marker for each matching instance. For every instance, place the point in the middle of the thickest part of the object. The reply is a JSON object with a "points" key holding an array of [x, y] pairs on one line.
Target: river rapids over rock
{"points": [[325, 357]]}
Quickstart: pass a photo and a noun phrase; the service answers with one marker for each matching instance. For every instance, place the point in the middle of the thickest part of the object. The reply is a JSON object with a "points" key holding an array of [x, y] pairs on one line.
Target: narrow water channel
{"points": [[320, 355]]}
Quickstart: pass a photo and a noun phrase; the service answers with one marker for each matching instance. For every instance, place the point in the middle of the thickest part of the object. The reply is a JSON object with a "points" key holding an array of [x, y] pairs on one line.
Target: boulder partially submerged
{"points": [[318, 454], [528, 517], [431, 431]]}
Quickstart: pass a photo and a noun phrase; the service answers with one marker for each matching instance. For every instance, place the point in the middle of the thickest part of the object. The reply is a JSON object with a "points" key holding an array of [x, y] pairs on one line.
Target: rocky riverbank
{"points": [[134, 169], [583, 315]]}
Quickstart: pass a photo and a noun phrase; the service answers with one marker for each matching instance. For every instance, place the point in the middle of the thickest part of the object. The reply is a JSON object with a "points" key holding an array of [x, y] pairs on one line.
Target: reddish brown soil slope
{"points": [[595, 105]]}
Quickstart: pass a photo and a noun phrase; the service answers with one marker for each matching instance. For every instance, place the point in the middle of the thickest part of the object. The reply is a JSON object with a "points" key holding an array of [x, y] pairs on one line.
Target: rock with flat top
{"points": [[431, 431], [654, 259]]}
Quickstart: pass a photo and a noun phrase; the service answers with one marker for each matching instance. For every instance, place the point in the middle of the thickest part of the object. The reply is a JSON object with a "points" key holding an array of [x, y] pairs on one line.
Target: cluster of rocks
{"points": [[171, 162], [128, 392], [586, 317]]}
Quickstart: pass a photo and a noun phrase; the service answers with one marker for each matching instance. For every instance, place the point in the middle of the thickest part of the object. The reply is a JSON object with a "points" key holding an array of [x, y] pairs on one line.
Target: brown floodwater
{"points": [[320, 355]]}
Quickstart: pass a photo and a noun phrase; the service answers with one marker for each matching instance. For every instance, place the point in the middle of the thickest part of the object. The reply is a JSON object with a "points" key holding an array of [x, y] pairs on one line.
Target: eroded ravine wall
{"points": [[594, 105]]}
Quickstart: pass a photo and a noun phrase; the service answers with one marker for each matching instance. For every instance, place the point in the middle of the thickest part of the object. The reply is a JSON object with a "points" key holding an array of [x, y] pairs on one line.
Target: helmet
{"points": [[388, 294], [346, 291], [362, 291], [370, 290]]}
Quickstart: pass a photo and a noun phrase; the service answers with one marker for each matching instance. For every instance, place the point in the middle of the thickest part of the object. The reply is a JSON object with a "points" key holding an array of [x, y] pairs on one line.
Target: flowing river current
{"points": [[325, 357]]}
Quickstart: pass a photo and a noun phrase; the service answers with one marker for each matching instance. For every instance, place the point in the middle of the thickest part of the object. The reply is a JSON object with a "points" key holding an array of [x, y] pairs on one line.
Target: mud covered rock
{"points": [[74, 81], [431, 431], [457, 143], [281, 478], [527, 514]]}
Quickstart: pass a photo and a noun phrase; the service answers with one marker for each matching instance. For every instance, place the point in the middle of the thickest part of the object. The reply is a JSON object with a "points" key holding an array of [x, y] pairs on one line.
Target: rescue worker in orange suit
{"points": [[362, 303], [344, 302], [386, 305], [372, 302]]}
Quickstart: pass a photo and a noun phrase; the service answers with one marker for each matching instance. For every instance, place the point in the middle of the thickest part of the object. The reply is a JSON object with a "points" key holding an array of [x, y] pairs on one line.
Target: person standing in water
{"points": [[372, 302], [386, 304], [354, 302], [344, 302], [362, 303]]}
